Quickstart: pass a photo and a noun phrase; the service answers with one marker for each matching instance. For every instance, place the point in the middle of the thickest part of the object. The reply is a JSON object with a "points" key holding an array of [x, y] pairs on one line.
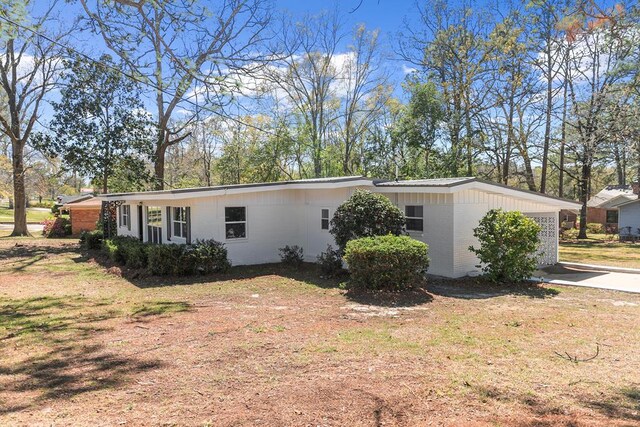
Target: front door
{"points": [[140, 224]]}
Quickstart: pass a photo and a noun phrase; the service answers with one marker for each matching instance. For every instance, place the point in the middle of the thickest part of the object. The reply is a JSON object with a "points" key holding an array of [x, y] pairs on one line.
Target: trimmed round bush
{"points": [[210, 257], [508, 245], [366, 214], [386, 262]]}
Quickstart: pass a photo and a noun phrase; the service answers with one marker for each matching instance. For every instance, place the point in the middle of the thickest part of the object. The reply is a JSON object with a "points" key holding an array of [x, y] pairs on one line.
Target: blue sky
{"points": [[385, 15]]}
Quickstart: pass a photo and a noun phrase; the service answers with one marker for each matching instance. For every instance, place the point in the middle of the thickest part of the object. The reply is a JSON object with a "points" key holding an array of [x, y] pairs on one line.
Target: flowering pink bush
{"points": [[56, 227]]}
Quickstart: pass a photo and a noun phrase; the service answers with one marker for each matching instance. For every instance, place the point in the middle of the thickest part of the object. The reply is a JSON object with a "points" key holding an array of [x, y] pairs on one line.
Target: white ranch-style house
{"points": [[255, 220]]}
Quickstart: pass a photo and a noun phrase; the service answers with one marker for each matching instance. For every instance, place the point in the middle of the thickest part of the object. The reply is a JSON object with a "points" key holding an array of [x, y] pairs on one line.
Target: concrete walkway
{"points": [[592, 276]]}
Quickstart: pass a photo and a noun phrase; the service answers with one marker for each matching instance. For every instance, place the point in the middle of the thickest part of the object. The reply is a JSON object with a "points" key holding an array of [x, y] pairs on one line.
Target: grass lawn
{"points": [[599, 250], [33, 215], [83, 343]]}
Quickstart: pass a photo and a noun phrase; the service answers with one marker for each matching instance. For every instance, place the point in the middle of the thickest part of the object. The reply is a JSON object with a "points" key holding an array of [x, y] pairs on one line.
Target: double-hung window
{"points": [[154, 224], [235, 222], [179, 219], [125, 216], [324, 220], [415, 218]]}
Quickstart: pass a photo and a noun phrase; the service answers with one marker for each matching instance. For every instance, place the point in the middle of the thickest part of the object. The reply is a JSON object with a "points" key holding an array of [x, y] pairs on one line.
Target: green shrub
{"points": [[45, 204], [508, 245], [202, 257], [133, 251], [91, 239], [365, 214], [164, 259], [126, 250], [111, 249], [56, 227], [569, 234], [330, 262], [292, 255], [386, 262], [211, 257], [595, 228]]}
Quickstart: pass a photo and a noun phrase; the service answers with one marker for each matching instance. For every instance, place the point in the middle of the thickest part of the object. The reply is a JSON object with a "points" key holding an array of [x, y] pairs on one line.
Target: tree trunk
{"points": [[563, 137], [547, 126], [584, 197], [20, 202], [158, 166]]}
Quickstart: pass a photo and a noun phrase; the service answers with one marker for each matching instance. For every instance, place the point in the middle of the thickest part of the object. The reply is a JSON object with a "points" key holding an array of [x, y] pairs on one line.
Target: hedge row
{"points": [[201, 257], [386, 262]]}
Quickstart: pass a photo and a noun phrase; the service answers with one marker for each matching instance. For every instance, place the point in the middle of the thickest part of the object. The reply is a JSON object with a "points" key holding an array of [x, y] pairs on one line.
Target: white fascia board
{"points": [[485, 187], [538, 198], [413, 189], [242, 190]]}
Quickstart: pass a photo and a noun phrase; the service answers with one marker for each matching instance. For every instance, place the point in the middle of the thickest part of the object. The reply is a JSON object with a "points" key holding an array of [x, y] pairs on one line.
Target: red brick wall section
{"points": [[598, 215], [84, 219]]}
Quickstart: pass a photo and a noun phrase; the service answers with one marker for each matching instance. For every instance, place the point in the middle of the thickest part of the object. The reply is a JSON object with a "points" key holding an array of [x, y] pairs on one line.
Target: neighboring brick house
{"points": [[602, 208], [84, 214]]}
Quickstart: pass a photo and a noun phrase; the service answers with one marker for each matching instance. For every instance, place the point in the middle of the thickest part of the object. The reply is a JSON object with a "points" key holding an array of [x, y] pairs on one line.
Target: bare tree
{"points": [[180, 47], [365, 87], [308, 73], [451, 47], [29, 69], [601, 43]]}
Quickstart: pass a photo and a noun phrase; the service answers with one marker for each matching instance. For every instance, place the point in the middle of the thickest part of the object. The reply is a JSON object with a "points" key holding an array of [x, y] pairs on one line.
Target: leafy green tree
{"points": [[508, 245], [421, 118], [99, 127], [365, 214], [28, 72]]}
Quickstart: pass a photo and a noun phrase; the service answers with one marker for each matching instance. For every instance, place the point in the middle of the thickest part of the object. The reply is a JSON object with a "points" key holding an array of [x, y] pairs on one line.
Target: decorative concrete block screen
{"points": [[548, 250]]}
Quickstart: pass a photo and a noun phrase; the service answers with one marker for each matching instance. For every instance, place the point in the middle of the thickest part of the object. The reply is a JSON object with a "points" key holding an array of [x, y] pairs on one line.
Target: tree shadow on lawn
{"points": [[59, 356], [624, 405], [22, 256], [479, 288], [407, 298], [308, 273]]}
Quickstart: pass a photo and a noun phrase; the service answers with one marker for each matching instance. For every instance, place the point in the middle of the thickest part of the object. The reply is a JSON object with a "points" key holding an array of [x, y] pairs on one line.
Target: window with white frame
{"points": [[125, 215], [235, 222], [179, 220], [324, 220], [154, 224], [415, 217]]}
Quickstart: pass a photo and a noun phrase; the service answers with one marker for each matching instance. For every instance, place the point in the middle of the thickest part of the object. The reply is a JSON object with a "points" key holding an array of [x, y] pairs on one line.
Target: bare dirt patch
{"points": [[268, 345]]}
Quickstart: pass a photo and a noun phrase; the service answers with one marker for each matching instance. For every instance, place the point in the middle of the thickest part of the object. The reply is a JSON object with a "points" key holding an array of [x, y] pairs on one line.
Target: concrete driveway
{"points": [[627, 280]]}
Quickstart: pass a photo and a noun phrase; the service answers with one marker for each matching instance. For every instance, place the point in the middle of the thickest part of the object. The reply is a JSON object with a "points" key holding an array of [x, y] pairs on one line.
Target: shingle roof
{"points": [[610, 192], [88, 203]]}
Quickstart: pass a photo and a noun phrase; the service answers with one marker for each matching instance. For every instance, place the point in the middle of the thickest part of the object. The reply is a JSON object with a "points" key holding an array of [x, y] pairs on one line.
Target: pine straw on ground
{"points": [[83, 343]]}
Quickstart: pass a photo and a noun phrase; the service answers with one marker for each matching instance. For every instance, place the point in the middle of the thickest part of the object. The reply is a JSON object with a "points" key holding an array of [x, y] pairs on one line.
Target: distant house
{"points": [[254, 220], [84, 214], [629, 218], [65, 199], [602, 208], [568, 219]]}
